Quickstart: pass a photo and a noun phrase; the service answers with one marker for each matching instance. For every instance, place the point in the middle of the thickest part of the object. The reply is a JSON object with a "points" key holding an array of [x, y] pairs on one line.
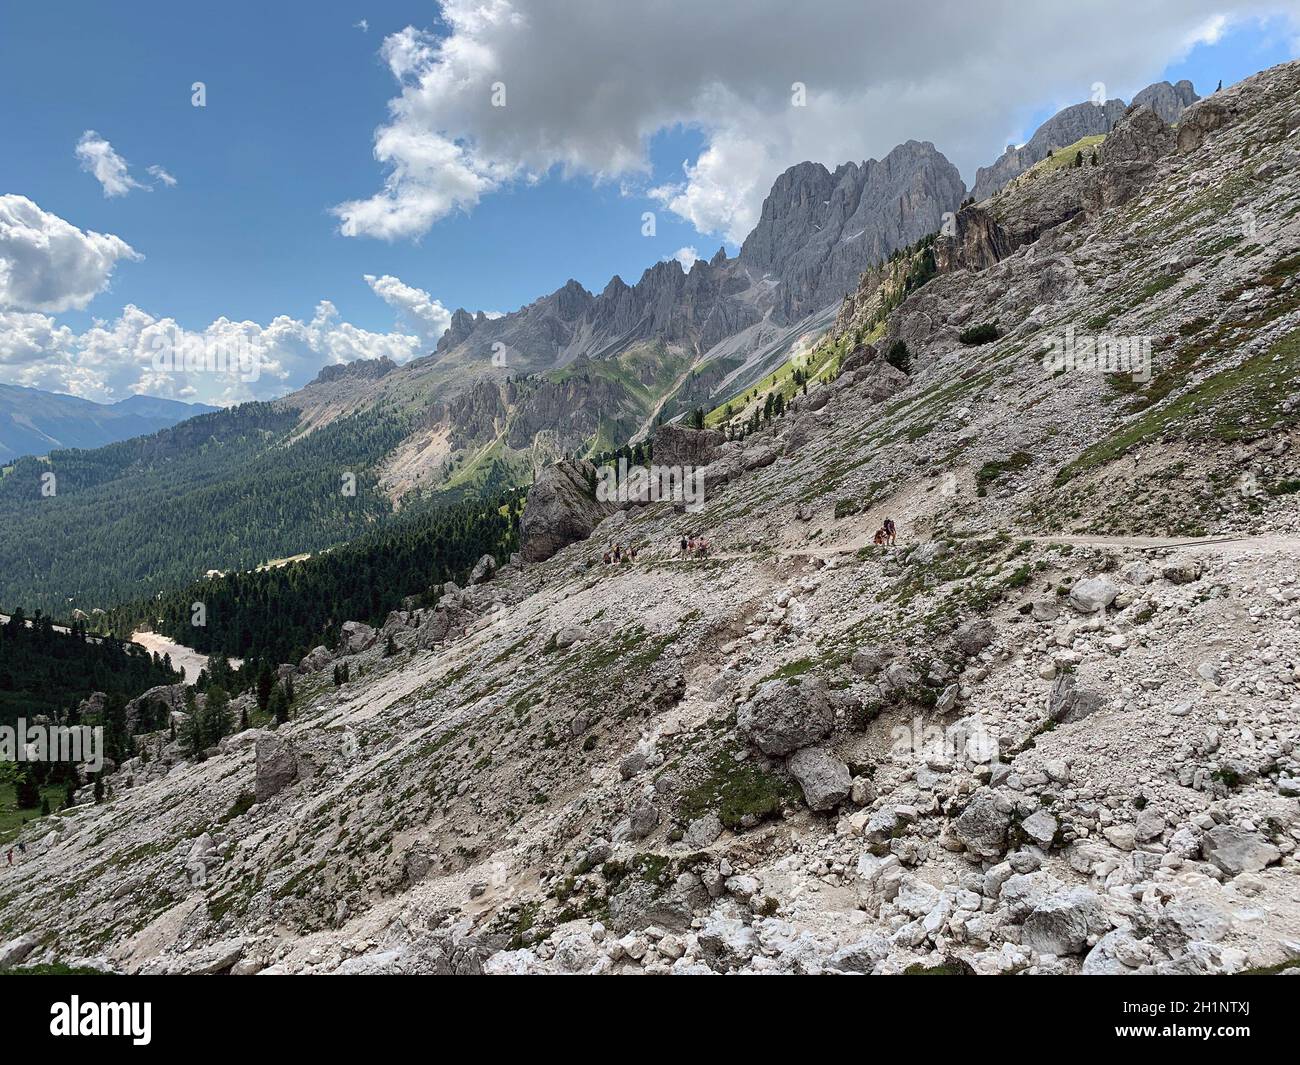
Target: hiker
{"points": [[618, 552], [11, 856], [702, 548], [606, 558], [684, 545], [632, 553], [891, 533]]}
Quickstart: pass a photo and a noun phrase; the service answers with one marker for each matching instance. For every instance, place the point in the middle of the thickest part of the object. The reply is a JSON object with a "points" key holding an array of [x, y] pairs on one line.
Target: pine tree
{"points": [[278, 705], [265, 681], [26, 791], [216, 717]]}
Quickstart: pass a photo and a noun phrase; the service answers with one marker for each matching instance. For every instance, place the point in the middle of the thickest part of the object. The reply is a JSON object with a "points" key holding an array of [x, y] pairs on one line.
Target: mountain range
{"points": [[35, 422], [501, 397]]}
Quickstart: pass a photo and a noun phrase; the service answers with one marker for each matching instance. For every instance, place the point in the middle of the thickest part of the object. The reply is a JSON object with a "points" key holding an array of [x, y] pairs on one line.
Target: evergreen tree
{"points": [[26, 791], [278, 705], [265, 680]]}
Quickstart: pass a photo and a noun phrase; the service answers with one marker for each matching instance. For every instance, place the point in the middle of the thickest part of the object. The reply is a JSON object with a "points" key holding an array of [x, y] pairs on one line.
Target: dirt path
{"points": [[1231, 544]]}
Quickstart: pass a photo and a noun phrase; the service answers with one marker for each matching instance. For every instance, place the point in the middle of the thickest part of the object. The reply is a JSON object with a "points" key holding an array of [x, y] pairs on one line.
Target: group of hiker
{"points": [[693, 546], [886, 535], [618, 555]]}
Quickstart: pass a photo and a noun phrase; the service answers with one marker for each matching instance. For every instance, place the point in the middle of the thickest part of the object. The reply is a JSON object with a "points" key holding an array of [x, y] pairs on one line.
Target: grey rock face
{"points": [[675, 445], [818, 231], [1167, 101], [561, 509], [1128, 159], [783, 717], [823, 777]]}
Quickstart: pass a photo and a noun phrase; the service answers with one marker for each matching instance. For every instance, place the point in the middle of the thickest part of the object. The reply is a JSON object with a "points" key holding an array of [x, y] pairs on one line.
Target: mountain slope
{"points": [[1053, 730], [33, 422]]}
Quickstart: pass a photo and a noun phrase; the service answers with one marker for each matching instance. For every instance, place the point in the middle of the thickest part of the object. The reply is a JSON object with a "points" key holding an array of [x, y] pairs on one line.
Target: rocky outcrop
{"points": [[153, 709], [1128, 159], [561, 509], [676, 445]]}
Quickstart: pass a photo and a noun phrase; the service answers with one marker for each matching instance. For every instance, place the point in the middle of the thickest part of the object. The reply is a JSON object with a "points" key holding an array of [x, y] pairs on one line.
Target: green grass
{"points": [[1212, 410], [736, 790]]}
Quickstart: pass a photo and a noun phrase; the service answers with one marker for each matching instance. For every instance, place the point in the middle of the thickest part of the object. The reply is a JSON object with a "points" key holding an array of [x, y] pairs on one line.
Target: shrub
{"points": [[899, 357], [984, 333]]}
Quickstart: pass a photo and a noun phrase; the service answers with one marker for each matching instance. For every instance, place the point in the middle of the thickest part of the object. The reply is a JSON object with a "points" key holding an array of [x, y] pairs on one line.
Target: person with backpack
{"points": [[891, 533]]}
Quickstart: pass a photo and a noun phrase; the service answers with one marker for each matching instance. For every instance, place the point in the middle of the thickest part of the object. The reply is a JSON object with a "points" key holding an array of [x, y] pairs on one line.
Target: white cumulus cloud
{"points": [[227, 361], [48, 264], [416, 309], [511, 90]]}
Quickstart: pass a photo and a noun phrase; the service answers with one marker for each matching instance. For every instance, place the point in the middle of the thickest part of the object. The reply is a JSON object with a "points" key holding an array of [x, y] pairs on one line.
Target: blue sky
{"points": [[284, 137], [295, 94]]}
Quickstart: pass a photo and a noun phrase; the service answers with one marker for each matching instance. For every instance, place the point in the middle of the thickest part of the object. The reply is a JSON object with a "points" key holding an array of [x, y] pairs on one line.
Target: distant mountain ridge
{"points": [[1075, 122], [35, 422]]}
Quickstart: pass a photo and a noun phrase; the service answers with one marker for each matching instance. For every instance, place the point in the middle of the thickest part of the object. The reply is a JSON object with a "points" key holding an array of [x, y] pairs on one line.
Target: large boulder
{"points": [[982, 827], [483, 570], [1199, 121], [357, 636], [1062, 923], [152, 710], [279, 764], [561, 509], [676, 445], [782, 717], [13, 952], [318, 659], [825, 779], [1092, 594], [975, 635], [1068, 702], [1235, 851]]}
